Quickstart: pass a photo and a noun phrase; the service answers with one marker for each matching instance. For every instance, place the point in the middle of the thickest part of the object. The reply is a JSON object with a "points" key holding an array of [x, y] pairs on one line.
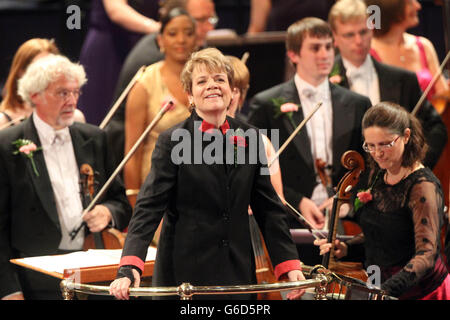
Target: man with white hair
{"points": [[40, 162]]}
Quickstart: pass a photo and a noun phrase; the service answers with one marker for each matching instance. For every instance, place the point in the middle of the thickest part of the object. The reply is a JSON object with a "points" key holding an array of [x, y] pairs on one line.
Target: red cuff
{"points": [[133, 261], [286, 266]]}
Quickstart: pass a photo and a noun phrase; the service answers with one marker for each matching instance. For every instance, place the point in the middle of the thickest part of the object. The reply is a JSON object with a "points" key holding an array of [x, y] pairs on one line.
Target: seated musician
{"points": [[40, 158], [401, 210], [205, 236]]}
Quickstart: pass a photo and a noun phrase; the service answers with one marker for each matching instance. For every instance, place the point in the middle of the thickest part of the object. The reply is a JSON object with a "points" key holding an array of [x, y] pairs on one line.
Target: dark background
{"points": [[21, 20]]}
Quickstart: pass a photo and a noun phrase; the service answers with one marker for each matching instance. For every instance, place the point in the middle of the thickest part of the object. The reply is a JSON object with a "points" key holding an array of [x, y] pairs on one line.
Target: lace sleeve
{"points": [[424, 202], [355, 249]]}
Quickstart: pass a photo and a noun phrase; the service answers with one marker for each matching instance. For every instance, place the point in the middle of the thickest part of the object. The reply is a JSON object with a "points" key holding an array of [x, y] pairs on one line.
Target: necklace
{"points": [[395, 181]]}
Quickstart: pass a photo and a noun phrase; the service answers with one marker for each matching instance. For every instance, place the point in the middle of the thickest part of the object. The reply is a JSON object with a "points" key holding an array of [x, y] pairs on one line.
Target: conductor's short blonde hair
{"points": [[212, 59]]}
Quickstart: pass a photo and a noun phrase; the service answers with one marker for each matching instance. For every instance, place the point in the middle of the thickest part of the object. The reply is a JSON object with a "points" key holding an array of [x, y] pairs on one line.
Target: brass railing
{"points": [[320, 278], [185, 291]]}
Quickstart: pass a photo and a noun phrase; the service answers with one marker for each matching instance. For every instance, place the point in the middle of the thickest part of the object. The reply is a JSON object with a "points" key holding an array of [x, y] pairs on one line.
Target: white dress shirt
{"points": [[64, 175], [319, 127], [363, 80]]}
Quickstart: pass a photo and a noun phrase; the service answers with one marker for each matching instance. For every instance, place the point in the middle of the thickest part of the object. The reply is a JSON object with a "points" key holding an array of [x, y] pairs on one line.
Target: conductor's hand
{"points": [[312, 213], [340, 249], [98, 218], [119, 287], [295, 275]]}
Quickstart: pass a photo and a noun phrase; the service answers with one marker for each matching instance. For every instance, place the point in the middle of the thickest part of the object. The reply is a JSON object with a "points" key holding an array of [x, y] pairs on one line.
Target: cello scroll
{"points": [[354, 162]]}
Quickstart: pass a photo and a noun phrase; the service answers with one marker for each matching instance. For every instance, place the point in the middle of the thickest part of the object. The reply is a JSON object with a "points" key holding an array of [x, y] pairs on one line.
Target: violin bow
{"points": [[245, 57], [292, 136], [299, 215], [431, 84], [277, 154], [122, 96], [130, 153]]}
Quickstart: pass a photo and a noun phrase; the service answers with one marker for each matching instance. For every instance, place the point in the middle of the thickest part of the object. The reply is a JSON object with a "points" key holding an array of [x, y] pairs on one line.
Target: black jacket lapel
{"points": [[341, 116], [301, 141], [84, 152], [388, 88], [342, 72], [42, 184]]}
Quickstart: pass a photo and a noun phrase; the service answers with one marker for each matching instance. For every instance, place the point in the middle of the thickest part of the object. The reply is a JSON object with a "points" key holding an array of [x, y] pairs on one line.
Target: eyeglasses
{"points": [[64, 94], [212, 20], [381, 146]]}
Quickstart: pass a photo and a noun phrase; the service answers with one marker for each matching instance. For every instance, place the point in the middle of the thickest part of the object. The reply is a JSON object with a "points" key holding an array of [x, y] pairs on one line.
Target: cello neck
{"points": [[333, 221]]}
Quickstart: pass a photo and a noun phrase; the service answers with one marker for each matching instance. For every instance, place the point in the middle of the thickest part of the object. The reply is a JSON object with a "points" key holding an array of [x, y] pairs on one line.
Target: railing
{"points": [[186, 291], [321, 279]]}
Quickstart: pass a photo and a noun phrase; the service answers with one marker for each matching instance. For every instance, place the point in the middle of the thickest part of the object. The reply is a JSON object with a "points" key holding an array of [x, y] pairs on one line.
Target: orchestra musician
{"points": [[393, 45], [13, 109], [240, 88], [400, 209], [40, 162], [332, 130], [159, 83], [205, 236], [355, 69]]}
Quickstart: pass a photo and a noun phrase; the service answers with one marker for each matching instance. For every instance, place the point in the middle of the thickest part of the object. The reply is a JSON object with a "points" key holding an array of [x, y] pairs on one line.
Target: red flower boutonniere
{"points": [[27, 149], [364, 196], [281, 107], [238, 140]]}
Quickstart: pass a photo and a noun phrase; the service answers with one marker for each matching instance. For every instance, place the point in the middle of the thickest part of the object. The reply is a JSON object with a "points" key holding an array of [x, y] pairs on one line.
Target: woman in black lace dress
{"points": [[400, 210]]}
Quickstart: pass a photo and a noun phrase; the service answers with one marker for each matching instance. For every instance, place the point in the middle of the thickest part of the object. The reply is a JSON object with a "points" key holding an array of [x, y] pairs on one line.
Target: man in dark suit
{"points": [[355, 69], [334, 128], [40, 159], [147, 52]]}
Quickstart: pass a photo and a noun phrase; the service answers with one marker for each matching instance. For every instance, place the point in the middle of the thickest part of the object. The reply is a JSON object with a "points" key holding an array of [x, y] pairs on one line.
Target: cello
{"points": [[264, 267], [350, 228], [354, 162], [109, 238]]}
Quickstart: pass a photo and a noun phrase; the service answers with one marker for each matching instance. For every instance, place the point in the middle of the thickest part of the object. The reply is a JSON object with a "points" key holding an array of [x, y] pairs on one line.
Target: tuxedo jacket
{"points": [[296, 161], [29, 223], [401, 86], [205, 237]]}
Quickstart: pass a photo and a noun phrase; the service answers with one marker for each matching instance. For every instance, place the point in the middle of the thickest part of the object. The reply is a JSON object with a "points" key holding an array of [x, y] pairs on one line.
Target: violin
{"points": [[354, 162], [109, 238], [264, 267]]}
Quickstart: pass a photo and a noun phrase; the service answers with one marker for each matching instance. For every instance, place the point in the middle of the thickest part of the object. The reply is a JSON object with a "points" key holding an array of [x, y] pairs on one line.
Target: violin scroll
{"points": [[87, 181]]}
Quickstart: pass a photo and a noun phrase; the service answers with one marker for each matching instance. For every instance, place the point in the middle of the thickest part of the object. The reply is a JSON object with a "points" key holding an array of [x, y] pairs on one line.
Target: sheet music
{"points": [[80, 259]]}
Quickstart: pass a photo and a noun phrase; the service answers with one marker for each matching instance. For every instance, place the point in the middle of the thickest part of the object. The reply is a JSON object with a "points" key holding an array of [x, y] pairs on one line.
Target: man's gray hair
{"points": [[41, 73]]}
